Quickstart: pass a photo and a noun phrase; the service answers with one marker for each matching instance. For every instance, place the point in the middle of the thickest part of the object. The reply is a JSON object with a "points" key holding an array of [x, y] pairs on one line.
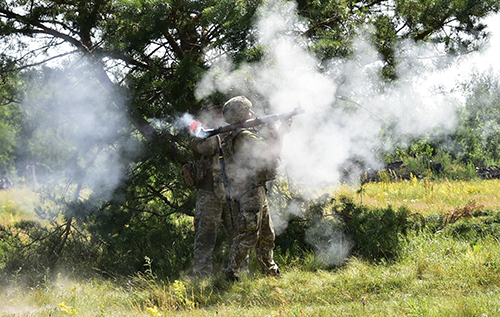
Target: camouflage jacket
{"points": [[247, 160]]}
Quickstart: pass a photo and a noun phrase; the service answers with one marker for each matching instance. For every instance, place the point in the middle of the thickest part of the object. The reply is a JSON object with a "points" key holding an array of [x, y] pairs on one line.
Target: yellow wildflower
{"points": [[153, 311], [67, 309]]}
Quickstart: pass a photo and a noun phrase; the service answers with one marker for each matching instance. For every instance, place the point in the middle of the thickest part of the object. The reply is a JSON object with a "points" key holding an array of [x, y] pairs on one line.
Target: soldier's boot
{"points": [[231, 276], [272, 272]]}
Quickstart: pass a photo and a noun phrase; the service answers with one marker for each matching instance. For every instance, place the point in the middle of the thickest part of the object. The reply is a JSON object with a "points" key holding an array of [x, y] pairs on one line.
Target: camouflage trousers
{"points": [[211, 211], [255, 229]]}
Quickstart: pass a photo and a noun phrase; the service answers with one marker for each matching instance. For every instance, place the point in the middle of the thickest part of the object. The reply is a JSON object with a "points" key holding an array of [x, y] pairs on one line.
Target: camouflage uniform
{"points": [[249, 167], [211, 208]]}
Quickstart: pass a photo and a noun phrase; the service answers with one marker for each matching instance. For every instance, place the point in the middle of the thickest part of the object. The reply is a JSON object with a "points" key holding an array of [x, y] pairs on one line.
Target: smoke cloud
{"points": [[332, 246], [346, 102], [79, 132], [331, 132]]}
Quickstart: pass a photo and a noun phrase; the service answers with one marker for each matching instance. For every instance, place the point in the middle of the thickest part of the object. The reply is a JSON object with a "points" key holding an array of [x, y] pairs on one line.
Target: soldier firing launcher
{"points": [[204, 134]]}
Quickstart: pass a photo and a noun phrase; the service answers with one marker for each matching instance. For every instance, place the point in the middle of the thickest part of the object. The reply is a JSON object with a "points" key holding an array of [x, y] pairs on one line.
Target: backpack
{"points": [[194, 172]]}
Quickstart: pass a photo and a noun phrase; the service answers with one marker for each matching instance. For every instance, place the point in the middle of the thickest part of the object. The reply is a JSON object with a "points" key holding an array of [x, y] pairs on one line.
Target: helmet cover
{"points": [[236, 109]]}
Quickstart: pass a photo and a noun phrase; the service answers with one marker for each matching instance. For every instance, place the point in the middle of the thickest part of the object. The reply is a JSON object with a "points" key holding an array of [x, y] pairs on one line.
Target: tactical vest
{"points": [[228, 145], [234, 170]]}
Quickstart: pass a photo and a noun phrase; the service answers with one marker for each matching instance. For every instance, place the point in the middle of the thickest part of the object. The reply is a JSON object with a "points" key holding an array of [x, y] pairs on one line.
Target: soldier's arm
{"points": [[205, 147]]}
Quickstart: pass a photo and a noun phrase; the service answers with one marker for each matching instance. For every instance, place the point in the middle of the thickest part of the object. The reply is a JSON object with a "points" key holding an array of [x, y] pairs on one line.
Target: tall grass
{"points": [[427, 196], [435, 273]]}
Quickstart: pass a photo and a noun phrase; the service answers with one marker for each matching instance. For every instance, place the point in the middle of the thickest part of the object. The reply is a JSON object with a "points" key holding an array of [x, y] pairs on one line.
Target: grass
{"points": [[425, 196], [435, 274], [17, 203]]}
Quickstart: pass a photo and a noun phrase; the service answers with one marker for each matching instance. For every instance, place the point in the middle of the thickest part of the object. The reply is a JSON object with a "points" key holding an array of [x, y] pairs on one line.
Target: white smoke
{"points": [[332, 246], [331, 133], [424, 98], [84, 132], [327, 136]]}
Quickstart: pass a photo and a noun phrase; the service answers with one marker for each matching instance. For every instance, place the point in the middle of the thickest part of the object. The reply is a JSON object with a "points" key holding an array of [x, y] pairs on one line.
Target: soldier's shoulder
{"points": [[247, 134], [248, 138]]}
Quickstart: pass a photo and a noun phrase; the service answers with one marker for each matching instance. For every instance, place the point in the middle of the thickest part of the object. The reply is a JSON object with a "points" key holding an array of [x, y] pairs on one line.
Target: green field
{"points": [[425, 196], [436, 273]]}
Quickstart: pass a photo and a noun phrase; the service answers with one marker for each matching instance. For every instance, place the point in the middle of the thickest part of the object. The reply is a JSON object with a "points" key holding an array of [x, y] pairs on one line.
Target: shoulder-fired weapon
{"points": [[202, 133]]}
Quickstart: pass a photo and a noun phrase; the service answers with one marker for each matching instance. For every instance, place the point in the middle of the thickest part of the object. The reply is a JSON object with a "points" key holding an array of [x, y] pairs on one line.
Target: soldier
{"points": [[211, 204], [251, 162]]}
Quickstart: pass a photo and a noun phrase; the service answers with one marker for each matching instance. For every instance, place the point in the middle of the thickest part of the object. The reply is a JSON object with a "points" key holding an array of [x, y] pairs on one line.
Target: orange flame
{"points": [[194, 125]]}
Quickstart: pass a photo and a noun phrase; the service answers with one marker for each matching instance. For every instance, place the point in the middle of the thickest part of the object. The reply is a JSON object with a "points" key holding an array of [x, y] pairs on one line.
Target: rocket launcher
{"points": [[206, 133]]}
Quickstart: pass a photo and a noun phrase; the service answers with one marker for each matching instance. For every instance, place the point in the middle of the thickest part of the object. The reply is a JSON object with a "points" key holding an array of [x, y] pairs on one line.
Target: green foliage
{"points": [[167, 241], [331, 26], [425, 20], [35, 248], [7, 139], [478, 136], [434, 158], [9, 121], [385, 39], [376, 233], [343, 229], [474, 228], [473, 144]]}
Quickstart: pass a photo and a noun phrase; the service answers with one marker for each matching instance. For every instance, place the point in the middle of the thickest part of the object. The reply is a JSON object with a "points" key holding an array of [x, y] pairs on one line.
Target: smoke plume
{"points": [[328, 136], [346, 102], [78, 132]]}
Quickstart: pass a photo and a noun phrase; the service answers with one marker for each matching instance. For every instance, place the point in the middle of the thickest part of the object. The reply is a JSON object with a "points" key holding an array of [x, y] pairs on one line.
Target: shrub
{"points": [[330, 228], [377, 232]]}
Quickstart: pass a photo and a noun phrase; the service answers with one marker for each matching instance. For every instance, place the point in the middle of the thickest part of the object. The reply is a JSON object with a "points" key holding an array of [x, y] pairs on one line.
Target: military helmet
{"points": [[236, 109], [212, 105]]}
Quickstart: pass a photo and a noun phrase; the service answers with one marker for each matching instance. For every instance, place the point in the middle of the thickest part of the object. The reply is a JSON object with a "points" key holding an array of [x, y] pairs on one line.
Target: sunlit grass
{"points": [[434, 274], [425, 196], [17, 203], [422, 196]]}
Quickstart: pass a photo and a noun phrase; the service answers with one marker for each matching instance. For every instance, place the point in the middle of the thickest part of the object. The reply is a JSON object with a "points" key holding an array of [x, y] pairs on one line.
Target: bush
{"points": [[336, 230], [109, 243], [376, 233]]}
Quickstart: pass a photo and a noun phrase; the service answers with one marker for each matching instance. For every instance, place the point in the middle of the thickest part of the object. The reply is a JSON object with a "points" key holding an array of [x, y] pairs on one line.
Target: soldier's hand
{"points": [[286, 126]]}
